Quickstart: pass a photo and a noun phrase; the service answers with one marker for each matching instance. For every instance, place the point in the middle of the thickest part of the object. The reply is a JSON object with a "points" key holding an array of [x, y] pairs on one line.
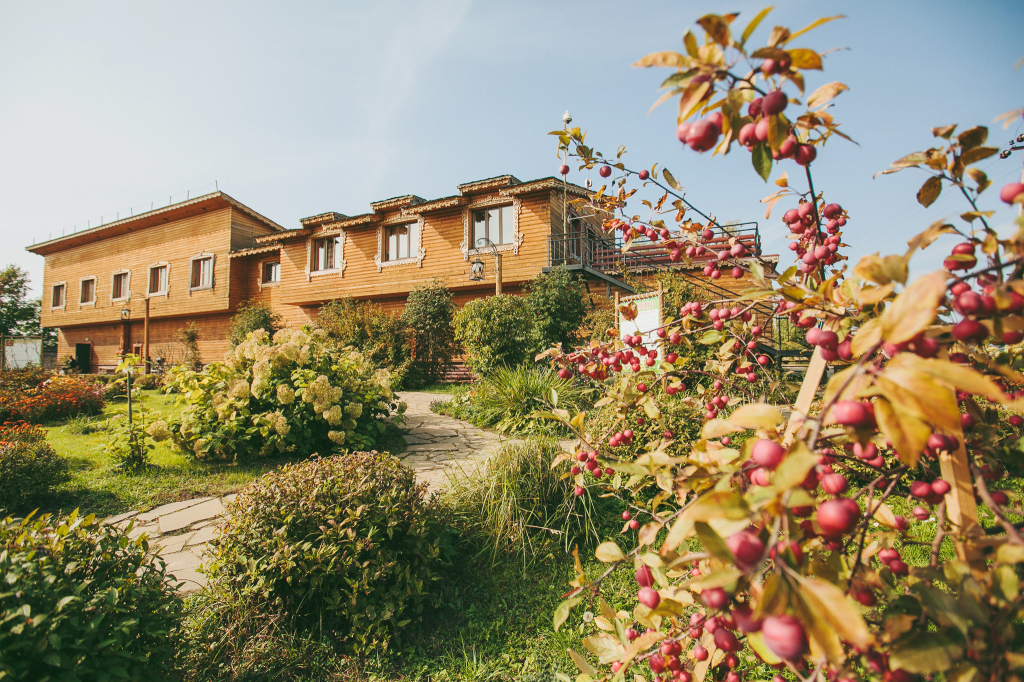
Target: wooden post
{"points": [[145, 338], [497, 274], [961, 507]]}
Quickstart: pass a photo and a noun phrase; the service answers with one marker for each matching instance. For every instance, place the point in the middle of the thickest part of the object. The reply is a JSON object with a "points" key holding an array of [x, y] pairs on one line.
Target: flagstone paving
{"points": [[434, 445]]}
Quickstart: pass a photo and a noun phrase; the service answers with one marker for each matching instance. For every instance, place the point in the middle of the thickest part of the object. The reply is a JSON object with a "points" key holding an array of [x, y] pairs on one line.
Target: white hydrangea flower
{"points": [[285, 394], [337, 436], [354, 410], [333, 415], [239, 389], [158, 431]]}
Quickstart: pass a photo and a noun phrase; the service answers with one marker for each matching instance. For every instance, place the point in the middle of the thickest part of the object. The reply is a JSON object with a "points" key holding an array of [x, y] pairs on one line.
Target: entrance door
{"points": [[83, 356]]}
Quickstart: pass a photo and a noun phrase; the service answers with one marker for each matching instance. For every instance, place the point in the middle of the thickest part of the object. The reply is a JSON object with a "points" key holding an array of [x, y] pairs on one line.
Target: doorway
{"points": [[83, 357]]}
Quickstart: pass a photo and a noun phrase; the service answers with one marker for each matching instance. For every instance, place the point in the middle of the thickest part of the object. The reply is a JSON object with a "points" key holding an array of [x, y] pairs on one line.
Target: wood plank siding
{"points": [[240, 242]]}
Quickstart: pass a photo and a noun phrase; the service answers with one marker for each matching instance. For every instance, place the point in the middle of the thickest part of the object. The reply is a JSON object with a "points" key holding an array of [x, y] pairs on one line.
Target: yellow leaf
{"points": [[929, 191], [920, 395], [907, 434], [716, 505], [609, 552], [958, 376], [915, 308], [582, 663], [874, 268], [716, 428], [664, 59], [679, 531], [839, 611], [825, 93], [756, 416], [881, 512], [783, 180], [753, 24], [802, 58], [794, 468], [867, 337], [925, 239], [812, 25], [649, 532]]}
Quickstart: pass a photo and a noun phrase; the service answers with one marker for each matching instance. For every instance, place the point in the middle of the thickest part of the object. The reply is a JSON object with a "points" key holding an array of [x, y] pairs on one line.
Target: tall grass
{"points": [[508, 397], [513, 503]]}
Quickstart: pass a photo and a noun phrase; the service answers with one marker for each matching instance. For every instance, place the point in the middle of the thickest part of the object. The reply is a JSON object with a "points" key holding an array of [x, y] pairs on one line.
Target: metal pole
{"points": [[145, 338]]}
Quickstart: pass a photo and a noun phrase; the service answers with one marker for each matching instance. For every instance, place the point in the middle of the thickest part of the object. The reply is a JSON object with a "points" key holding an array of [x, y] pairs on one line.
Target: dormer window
{"points": [[326, 254], [401, 241], [493, 225]]}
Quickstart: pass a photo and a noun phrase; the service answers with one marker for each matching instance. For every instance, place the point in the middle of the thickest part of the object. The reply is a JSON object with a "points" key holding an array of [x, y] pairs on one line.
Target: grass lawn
{"points": [[441, 388], [97, 488]]}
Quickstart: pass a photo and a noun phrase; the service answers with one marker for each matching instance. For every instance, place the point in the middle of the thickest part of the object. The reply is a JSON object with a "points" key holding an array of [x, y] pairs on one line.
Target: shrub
{"points": [[188, 337], [496, 331], [346, 544], [82, 601], [508, 397], [380, 336], [250, 317], [430, 314], [146, 382], [29, 467], [56, 399], [515, 503], [559, 308], [30, 377], [596, 324], [290, 393]]}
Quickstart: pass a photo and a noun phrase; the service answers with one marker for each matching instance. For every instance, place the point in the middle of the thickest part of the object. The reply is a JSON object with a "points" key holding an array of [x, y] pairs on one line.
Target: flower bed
{"points": [[56, 399]]}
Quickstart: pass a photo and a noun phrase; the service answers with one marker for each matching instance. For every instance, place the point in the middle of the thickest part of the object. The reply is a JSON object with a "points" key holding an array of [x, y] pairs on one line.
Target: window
{"points": [[57, 298], [119, 286], [158, 279], [271, 272], [326, 254], [493, 225], [87, 293], [400, 242], [202, 273]]}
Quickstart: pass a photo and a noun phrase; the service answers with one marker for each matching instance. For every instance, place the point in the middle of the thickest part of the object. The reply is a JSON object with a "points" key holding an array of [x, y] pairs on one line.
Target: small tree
{"points": [[189, 338], [17, 313], [430, 314], [249, 318], [381, 337], [496, 331], [558, 301]]}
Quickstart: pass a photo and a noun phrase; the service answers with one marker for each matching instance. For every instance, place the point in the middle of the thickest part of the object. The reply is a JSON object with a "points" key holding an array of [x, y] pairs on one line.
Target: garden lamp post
{"points": [[477, 272]]}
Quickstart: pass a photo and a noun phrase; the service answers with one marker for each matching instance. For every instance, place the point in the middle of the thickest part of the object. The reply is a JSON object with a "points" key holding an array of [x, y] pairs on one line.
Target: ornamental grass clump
{"points": [[345, 546], [82, 601], [292, 393]]}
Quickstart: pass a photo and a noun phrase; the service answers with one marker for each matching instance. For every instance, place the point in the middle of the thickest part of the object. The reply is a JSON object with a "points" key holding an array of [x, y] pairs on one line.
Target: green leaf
{"points": [[794, 468], [761, 157], [670, 179], [922, 652], [713, 542], [582, 663], [563, 609], [717, 505]]}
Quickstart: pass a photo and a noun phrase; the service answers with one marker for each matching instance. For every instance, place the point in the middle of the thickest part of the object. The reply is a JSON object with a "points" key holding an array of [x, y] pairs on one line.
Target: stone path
{"points": [[434, 444]]}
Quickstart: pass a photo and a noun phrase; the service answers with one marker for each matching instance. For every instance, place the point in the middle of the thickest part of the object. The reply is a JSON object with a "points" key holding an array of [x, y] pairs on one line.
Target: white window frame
{"points": [[339, 268], [63, 298], [262, 269], [81, 303], [149, 278], [212, 257], [416, 251], [467, 246], [127, 285]]}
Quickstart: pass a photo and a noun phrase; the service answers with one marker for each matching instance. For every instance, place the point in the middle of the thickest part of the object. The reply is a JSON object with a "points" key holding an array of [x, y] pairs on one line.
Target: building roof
{"points": [[159, 216]]}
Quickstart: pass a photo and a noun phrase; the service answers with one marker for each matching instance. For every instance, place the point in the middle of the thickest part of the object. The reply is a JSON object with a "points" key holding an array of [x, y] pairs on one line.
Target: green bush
{"points": [[82, 601], [515, 503], [596, 324], [430, 314], [24, 379], [250, 317], [290, 393], [29, 467], [557, 299], [381, 337], [345, 545], [508, 397], [496, 331]]}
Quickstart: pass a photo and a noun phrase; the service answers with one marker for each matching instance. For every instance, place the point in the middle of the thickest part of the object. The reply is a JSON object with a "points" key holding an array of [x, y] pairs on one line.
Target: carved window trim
{"points": [[517, 235], [260, 271], [127, 285], [81, 283], [340, 270], [63, 297], [149, 278], [420, 253]]}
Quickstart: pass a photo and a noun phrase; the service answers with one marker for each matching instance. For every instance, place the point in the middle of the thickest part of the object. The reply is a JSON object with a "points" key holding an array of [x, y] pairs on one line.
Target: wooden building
{"points": [[196, 261]]}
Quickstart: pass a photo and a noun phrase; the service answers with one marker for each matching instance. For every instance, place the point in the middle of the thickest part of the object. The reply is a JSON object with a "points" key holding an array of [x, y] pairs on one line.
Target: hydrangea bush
{"points": [[287, 393], [773, 538]]}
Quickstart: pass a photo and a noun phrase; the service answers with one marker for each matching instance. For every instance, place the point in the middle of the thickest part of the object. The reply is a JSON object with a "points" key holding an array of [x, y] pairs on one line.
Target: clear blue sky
{"points": [[300, 108]]}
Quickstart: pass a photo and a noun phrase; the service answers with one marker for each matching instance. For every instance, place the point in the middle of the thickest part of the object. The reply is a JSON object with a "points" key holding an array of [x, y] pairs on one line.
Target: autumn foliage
{"points": [[775, 539]]}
